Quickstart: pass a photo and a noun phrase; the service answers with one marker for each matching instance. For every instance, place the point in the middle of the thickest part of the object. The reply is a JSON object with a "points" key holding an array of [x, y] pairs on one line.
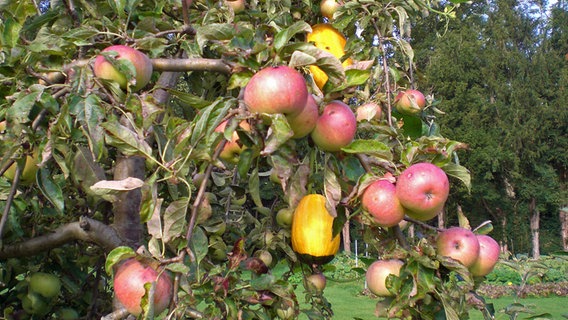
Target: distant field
{"points": [[349, 304]]}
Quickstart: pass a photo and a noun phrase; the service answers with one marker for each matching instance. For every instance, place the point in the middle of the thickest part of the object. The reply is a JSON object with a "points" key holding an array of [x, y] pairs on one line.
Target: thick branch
{"points": [[159, 64], [191, 64], [86, 229]]}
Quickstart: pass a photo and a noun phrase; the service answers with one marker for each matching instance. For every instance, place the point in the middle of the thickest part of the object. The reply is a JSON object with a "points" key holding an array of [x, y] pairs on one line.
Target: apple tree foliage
{"points": [[124, 173]]}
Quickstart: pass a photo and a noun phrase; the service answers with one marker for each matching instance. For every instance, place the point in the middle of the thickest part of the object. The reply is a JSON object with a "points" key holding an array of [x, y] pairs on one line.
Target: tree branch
{"points": [[191, 64], [86, 229]]}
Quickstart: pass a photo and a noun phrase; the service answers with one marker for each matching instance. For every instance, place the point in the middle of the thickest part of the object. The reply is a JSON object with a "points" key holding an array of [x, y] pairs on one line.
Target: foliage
{"points": [[125, 173], [499, 73]]}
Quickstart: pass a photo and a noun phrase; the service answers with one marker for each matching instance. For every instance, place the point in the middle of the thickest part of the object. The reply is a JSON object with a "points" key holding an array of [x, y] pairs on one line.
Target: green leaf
{"points": [[332, 191], [263, 282], [284, 36], [128, 141], [116, 255], [484, 228], [86, 172], [175, 219], [370, 147], [20, 110], [278, 133], [210, 118], [51, 190], [189, 100], [254, 190], [214, 31], [353, 77], [459, 172], [199, 244], [245, 162]]}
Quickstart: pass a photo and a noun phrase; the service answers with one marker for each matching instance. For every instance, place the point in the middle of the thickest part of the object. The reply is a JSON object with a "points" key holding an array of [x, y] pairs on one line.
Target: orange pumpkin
{"points": [[312, 231]]}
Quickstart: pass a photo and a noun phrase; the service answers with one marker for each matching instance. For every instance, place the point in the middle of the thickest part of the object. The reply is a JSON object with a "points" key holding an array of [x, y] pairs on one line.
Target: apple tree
{"points": [[152, 153]]}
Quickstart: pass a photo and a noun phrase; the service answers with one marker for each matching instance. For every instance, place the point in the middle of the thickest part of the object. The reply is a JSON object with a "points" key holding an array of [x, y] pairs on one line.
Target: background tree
{"points": [[492, 72]]}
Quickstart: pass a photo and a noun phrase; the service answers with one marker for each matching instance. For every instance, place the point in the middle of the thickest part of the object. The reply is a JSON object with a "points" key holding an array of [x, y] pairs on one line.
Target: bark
{"points": [[346, 237], [86, 229], [535, 229], [127, 206], [442, 218], [564, 227], [499, 216]]}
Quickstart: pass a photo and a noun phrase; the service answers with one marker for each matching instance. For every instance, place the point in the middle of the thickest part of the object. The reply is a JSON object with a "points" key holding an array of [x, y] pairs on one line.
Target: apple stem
{"points": [[422, 224]]}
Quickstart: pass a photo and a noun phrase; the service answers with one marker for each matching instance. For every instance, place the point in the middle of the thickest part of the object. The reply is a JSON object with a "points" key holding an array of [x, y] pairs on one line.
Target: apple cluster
{"points": [[479, 253], [419, 192], [43, 288], [283, 90]]}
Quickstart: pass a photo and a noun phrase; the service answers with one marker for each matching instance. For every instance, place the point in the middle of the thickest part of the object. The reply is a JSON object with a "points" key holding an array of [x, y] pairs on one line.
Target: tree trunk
{"points": [[127, 206], [564, 227], [442, 218], [346, 236], [535, 229], [503, 242]]}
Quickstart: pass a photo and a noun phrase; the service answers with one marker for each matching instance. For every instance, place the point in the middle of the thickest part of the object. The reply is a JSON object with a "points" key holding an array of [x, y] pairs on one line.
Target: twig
{"points": [[385, 70], [9, 201], [422, 224]]}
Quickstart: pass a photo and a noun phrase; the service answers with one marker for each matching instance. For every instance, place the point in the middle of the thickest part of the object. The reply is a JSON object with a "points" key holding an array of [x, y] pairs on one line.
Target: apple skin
{"points": [[278, 89], [369, 111], [237, 5], [423, 189], [377, 274], [143, 65], [328, 8], [410, 102], [489, 251], [380, 200], [304, 123], [315, 283], [45, 284], [232, 149], [28, 173], [284, 217], [459, 244], [335, 127], [129, 280]]}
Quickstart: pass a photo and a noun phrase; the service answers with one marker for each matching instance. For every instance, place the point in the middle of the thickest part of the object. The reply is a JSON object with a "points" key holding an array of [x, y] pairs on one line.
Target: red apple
{"points": [[233, 148], [129, 280], [315, 283], [328, 8], [410, 102], [380, 200], [368, 111], [276, 90], [459, 244], [423, 189], [237, 5], [488, 256], [335, 128], [304, 122], [377, 274], [142, 65]]}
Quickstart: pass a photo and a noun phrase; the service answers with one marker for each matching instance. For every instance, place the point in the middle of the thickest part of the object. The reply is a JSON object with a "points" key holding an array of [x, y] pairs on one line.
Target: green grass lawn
{"points": [[348, 303]]}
